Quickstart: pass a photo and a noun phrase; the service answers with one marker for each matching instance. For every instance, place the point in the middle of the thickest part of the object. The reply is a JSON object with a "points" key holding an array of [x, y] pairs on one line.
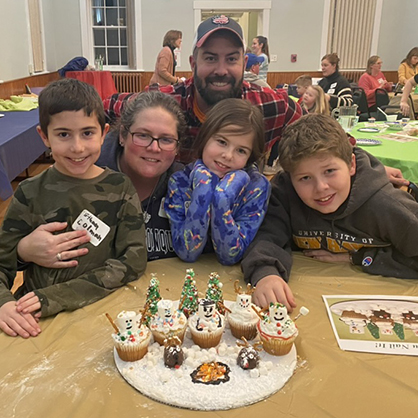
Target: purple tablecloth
{"points": [[20, 146]]}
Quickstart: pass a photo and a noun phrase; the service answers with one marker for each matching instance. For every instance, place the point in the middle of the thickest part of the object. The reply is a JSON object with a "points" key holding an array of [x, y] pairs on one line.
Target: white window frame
{"points": [[263, 7], [325, 25], [87, 43]]}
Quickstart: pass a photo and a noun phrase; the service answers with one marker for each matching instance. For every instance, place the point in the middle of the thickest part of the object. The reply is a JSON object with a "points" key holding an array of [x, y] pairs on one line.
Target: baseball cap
{"points": [[252, 60], [211, 25]]}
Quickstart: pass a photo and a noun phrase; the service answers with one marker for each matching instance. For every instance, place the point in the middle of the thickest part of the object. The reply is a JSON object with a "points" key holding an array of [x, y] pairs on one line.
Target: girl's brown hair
{"points": [[243, 115], [262, 40], [371, 61], [332, 59], [412, 53]]}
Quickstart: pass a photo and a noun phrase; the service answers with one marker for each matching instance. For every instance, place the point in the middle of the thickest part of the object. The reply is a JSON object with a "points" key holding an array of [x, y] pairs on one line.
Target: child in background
{"points": [[76, 191], [302, 83], [336, 204], [314, 100], [222, 197]]}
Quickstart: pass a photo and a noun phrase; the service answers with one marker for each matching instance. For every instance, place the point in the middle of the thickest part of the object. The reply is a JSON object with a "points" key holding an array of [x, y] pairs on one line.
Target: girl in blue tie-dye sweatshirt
{"points": [[221, 199]]}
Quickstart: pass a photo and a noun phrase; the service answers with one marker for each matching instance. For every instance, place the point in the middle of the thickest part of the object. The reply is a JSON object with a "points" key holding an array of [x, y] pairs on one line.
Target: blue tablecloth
{"points": [[20, 146]]}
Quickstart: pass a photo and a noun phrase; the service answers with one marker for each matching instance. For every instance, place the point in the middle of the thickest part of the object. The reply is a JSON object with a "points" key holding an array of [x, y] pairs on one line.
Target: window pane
{"points": [[99, 52], [98, 17], [112, 37], [122, 17], [111, 17], [113, 54], [124, 56], [123, 41], [97, 3], [110, 3], [122, 3], [99, 37]]}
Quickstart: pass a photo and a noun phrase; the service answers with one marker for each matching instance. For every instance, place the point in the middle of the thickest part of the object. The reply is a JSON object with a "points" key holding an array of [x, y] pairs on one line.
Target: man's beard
{"points": [[212, 97]]}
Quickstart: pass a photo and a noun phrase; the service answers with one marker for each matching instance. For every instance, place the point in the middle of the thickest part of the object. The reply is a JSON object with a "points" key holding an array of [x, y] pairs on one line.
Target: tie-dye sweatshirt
{"points": [[229, 211]]}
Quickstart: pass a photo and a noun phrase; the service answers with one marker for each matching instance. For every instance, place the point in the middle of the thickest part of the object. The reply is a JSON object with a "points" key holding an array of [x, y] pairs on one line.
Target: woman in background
{"points": [[372, 80], [408, 67], [165, 67], [336, 87], [260, 48]]}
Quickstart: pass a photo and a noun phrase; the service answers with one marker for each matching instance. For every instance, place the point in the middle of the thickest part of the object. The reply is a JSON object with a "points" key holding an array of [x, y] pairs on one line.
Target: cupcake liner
{"points": [[207, 339], [276, 346], [132, 352], [159, 337], [249, 331]]}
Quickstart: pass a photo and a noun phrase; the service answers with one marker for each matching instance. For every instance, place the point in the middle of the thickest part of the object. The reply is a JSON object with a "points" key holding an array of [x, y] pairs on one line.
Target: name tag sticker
{"points": [[96, 228]]}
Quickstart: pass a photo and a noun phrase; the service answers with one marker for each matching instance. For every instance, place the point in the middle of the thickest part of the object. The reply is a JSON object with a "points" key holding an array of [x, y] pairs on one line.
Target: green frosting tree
{"points": [[189, 294], [374, 330], [399, 330], [214, 292], [153, 296]]}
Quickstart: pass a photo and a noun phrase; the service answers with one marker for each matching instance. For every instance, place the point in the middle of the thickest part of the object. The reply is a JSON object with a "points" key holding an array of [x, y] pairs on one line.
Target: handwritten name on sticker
{"points": [[96, 228]]}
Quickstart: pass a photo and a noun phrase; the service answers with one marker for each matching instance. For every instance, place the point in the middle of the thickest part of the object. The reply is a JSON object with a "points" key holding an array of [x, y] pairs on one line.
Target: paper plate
{"points": [[370, 130], [364, 141]]}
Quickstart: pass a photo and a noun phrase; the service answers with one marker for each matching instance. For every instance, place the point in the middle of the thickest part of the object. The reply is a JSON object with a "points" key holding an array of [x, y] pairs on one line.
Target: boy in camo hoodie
{"points": [[76, 191]]}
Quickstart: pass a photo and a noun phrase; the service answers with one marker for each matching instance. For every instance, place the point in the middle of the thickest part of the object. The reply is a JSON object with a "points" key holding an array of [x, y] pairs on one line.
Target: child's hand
{"points": [[42, 246], [274, 289], [28, 303], [14, 323], [328, 257], [233, 182], [201, 175]]}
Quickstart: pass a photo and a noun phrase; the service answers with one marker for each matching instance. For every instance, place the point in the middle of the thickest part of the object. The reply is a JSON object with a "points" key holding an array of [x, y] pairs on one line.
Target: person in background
{"points": [[220, 200], [79, 193], [335, 203], [336, 87], [252, 69], [409, 85], [165, 67], [260, 48], [302, 83], [144, 146], [314, 100], [408, 67], [372, 80]]}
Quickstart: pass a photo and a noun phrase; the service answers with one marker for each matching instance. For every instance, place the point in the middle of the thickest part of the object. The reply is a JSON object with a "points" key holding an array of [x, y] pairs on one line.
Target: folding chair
{"points": [[360, 99]]}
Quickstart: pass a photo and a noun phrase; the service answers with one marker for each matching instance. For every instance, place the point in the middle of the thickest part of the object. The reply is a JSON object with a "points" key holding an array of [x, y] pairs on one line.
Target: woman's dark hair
{"points": [[412, 53], [262, 40], [171, 37], [332, 59]]}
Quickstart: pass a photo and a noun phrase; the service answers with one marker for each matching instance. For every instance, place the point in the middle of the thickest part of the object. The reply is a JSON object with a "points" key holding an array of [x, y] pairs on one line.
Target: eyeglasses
{"points": [[145, 140]]}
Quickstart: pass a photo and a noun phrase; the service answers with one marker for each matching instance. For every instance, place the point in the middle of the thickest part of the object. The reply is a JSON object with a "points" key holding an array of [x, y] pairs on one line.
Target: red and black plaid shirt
{"points": [[278, 110]]}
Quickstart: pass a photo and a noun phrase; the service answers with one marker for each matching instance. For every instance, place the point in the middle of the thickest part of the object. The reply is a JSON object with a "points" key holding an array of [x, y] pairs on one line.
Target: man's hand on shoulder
{"points": [[273, 288]]}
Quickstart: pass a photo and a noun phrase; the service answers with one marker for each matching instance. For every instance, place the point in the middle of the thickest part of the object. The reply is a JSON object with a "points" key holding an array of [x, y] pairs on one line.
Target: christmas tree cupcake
{"points": [[242, 319], [152, 299], [189, 295], [207, 325], [277, 331], [131, 337], [214, 292], [167, 322]]}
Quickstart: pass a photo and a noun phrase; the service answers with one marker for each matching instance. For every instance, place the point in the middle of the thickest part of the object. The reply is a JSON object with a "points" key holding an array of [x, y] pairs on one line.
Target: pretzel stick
{"points": [[258, 313], [113, 324], [224, 307], [181, 303]]}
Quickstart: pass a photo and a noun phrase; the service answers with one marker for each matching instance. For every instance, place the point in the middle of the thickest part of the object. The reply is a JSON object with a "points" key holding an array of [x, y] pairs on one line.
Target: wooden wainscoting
{"points": [[16, 87]]}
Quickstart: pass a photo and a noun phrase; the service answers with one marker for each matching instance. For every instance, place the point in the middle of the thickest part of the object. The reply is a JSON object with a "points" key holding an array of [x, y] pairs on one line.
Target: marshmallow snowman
{"points": [[278, 314], [243, 301], [165, 310], [208, 317], [128, 322]]}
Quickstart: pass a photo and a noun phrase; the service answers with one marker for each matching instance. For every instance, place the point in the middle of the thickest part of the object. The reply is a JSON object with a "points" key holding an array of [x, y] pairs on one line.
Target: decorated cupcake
{"points": [[277, 331], [242, 319], [207, 325], [131, 338], [167, 322]]}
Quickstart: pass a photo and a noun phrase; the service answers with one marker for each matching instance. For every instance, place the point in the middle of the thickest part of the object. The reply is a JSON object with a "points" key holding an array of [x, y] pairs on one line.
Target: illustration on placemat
{"points": [[381, 324]]}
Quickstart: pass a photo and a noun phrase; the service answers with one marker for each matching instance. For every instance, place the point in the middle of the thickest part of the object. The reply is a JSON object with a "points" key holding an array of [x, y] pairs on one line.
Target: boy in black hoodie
{"points": [[336, 204]]}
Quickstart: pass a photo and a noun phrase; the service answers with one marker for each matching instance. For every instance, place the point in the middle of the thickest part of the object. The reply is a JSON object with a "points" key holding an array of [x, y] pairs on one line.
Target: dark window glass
{"points": [[124, 56], [113, 55], [123, 41], [99, 37], [111, 17], [112, 37], [98, 17]]}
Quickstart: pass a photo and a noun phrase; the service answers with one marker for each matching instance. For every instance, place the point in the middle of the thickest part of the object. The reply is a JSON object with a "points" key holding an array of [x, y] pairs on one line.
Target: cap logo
{"points": [[220, 20]]}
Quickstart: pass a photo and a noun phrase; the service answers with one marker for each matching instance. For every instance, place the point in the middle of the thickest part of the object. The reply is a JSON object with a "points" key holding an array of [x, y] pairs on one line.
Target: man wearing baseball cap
{"points": [[251, 70], [218, 63]]}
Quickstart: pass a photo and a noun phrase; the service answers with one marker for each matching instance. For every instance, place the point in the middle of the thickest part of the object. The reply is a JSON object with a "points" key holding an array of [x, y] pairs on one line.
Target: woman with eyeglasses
{"points": [[144, 146]]}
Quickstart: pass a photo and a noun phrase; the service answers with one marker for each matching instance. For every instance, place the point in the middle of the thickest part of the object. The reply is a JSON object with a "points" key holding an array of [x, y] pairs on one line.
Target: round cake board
{"points": [[176, 388]]}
